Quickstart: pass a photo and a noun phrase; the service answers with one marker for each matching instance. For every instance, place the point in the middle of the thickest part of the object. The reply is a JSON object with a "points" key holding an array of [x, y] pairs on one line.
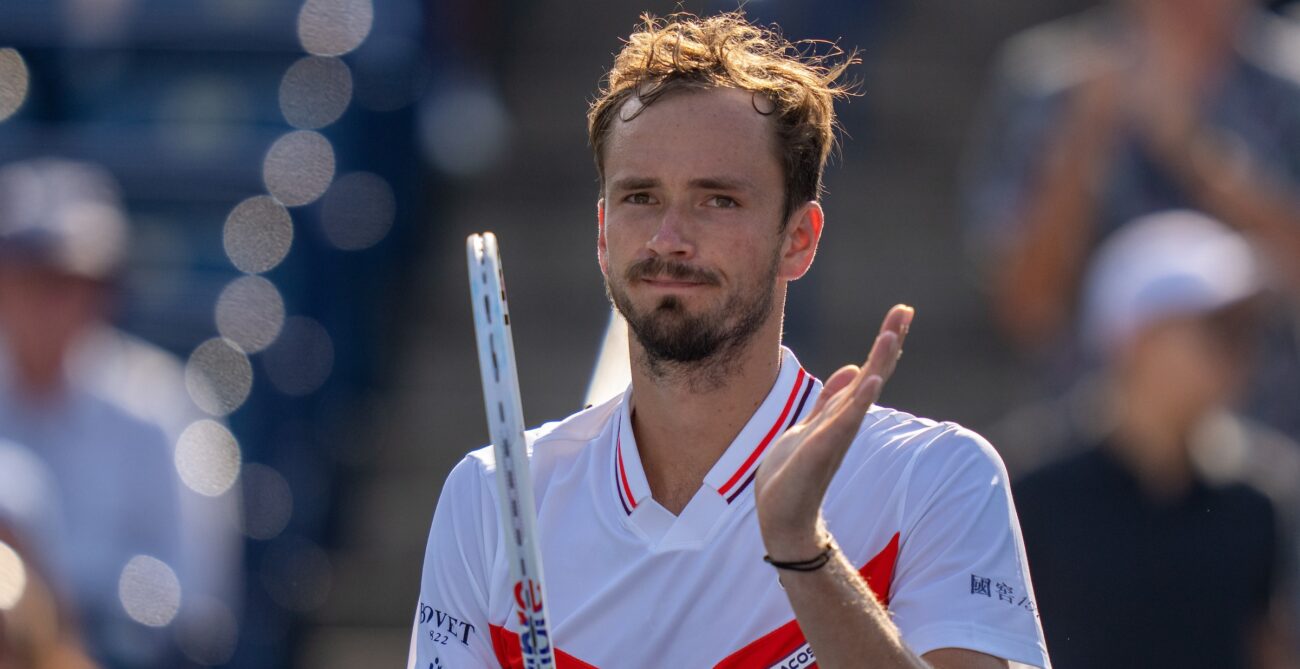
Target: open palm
{"points": [[792, 480]]}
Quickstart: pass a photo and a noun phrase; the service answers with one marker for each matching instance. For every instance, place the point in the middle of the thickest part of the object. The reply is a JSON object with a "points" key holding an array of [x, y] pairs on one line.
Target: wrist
{"points": [[824, 556], [798, 544]]}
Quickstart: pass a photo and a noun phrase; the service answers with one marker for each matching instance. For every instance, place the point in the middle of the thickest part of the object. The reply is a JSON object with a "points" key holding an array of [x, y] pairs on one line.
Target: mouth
{"points": [[672, 284]]}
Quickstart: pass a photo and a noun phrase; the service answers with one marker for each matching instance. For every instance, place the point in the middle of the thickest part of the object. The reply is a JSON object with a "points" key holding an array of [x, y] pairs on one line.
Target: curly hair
{"points": [[796, 87]]}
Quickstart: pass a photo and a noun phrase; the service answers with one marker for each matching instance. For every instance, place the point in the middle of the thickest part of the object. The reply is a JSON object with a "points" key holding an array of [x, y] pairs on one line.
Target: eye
{"points": [[638, 198], [722, 202]]}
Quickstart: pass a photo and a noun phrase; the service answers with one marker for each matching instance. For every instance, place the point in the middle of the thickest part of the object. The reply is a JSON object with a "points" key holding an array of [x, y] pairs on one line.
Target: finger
{"points": [[852, 407], [831, 405], [842, 421], [837, 382], [885, 353], [868, 393], [849, 415], [897, 319], [880, 361]]}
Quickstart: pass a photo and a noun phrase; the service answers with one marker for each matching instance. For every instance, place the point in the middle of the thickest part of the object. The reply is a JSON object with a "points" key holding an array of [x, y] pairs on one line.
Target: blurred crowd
{"points": [[195, 247], [174, 383], [1133, 201]]}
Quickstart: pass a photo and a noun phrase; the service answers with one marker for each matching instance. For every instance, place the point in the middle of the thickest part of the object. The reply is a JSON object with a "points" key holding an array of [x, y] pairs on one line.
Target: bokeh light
{"points": [[14, 82], [258, 234], [315, 92], [250, 312], [464, 130], [301, 359], [297, 574], [207, 457], [149, 591], [268, 502], [334, 27], [218, 376], [299, 167], [358, 211], [13, 577], [207, 631]]}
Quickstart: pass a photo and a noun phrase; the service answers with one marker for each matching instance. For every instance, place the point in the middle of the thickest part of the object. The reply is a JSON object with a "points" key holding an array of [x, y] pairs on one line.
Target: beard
{"points": [[670, 334]]}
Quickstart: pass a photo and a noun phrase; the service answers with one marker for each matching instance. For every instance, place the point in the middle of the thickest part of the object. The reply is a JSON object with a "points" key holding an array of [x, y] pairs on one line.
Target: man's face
{"points": [[691, 238]]}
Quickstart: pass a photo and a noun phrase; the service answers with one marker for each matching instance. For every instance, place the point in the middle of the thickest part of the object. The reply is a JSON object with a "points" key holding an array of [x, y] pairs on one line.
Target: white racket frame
{"points": [[505, 415]]}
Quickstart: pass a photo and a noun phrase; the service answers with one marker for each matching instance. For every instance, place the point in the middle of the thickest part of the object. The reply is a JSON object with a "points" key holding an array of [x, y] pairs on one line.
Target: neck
{"points": [[685, 415]]}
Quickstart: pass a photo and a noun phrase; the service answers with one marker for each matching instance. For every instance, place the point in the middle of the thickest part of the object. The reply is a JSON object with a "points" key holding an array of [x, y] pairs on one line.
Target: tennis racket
{"points": [[505, 415]]}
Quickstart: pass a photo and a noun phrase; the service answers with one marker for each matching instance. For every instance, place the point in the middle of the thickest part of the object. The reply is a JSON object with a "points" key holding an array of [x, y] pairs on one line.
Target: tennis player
{"points": [[729, 509]]}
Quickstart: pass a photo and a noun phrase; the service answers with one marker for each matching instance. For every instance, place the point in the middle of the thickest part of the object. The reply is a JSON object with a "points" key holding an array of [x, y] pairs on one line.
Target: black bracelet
{"points": [[804, 565]]}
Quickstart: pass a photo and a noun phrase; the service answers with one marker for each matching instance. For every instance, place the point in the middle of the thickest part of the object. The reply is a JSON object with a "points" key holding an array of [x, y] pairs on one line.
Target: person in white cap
{"points": [[124, 542], [1141, 556]]}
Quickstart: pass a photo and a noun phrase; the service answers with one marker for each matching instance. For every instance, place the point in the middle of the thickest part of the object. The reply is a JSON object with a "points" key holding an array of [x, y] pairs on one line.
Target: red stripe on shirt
{"points": [[622, 473], [793, 418], [759, 654], [788, 638], [511, 656], [762, 445]]}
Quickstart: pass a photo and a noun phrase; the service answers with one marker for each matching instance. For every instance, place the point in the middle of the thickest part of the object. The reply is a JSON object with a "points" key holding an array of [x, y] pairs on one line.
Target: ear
{"points": [[602, 253], [802, 234]]}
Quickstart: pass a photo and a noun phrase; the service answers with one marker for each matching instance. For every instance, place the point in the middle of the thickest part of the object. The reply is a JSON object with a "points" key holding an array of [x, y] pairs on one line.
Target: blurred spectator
{"points": [[1136, 107], [146, 562], [1148, 547]]}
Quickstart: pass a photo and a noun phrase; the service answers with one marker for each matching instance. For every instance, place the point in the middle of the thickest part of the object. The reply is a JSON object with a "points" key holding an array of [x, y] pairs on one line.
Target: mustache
{"points": [[658, 268]]}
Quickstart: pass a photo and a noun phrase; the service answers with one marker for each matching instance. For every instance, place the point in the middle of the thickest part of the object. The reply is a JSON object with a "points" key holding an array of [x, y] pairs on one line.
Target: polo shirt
{"points": [[922, 508]]}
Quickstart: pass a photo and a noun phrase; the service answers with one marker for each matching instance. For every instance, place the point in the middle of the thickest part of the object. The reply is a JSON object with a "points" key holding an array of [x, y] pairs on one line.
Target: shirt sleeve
{"points": [[962, 580], [451, 620]]}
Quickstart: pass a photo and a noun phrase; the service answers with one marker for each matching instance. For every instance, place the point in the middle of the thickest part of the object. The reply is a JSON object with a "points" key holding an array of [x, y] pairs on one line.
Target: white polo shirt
{"points": [[922, 508]]}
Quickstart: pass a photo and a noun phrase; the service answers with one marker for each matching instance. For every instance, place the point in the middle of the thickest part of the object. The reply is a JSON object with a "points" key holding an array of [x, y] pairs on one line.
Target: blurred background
{"points": [[284, 307]]}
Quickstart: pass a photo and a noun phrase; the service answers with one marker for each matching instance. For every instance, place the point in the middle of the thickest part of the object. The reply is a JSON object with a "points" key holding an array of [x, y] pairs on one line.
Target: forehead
{"points": [[691, 133]]}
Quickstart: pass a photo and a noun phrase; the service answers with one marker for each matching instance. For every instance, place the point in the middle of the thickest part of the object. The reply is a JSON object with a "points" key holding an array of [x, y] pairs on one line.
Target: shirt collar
{"points": [[785, 404], [789, 400]]}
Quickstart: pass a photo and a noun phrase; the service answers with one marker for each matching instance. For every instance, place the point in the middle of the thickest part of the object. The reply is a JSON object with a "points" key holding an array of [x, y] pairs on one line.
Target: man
{"points": [[657, 509], [1147, 513]]}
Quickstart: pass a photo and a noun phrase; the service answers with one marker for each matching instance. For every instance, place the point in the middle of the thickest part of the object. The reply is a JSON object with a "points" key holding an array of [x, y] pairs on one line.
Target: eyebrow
{"points": [[721, 183], [633, 183], [703, 183]]}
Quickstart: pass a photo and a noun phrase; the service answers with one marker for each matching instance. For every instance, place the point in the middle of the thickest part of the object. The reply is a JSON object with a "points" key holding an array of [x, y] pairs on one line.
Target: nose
{"points": [[673, 238]]}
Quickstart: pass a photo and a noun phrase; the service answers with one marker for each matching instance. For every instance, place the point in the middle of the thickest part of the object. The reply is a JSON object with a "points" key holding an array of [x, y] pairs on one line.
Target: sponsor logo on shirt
{"points": [[983, 585], [442, 627], [801, 658]]}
